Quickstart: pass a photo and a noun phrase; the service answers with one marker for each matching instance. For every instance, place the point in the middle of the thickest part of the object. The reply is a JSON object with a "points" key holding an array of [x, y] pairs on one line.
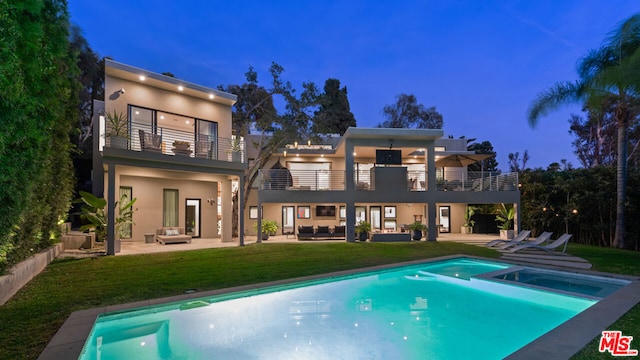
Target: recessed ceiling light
{"points": [[354, 153], [187, 122], [211, 96], [142, 78], [180, 88], [161, 116], [137, 112]]}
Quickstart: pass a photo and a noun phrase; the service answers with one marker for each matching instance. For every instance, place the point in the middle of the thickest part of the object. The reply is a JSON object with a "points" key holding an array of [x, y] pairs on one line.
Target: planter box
{"points": [[506, 234]]}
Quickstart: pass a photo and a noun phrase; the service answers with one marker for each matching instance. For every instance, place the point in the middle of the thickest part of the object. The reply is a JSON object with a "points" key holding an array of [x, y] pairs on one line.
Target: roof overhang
{"points": [[131, 73]]}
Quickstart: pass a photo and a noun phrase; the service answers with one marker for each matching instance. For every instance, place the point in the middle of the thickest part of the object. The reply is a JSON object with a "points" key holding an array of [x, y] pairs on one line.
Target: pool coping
{"points": [[561, 342]]}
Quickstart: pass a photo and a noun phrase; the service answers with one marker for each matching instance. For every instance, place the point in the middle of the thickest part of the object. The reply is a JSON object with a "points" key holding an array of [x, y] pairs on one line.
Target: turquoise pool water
{"points": [[429, 311]]}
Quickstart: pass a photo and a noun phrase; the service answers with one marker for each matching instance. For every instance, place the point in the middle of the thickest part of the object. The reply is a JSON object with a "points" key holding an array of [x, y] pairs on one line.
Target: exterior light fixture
{"points": [[574, 211], [354, 153], [309, 142], [295, 144], [180, 88], [142, 78], [284, 153], [211, 96]]}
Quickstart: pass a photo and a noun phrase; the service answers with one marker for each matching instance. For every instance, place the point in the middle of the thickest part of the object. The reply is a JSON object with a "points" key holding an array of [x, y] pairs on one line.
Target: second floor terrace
{"points": [[168, 141], [413, 180]]}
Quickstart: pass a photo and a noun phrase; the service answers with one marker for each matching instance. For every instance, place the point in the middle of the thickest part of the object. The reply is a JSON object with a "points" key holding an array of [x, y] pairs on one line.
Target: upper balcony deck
{"points": [[167, 141], [334, 180]]}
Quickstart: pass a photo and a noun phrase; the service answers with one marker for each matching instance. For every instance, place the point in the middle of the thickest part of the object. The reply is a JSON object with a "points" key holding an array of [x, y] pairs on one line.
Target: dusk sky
{"points": [[480, 63]]}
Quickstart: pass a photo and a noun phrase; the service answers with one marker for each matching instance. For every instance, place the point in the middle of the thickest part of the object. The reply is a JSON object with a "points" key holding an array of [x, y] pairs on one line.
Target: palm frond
{"points": [[562, 93]]}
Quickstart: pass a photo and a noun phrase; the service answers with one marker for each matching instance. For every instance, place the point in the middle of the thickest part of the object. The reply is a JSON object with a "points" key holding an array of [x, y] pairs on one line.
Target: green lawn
{"points": [[32, 317]]}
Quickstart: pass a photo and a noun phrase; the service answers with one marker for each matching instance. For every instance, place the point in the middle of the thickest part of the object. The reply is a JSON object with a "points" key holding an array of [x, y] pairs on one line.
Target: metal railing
{"points": [[177, 142], [479, 181], [285, 179]]}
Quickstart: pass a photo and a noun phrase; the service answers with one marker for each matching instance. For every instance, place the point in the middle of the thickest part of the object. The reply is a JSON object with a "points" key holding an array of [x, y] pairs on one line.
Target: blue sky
{"points": [[480, 63]]}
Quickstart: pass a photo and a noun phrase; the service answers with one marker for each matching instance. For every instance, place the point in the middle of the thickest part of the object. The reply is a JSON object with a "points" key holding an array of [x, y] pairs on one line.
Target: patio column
{"points": [[111, 209], [241, 210], [227, 211], [431, 221]]}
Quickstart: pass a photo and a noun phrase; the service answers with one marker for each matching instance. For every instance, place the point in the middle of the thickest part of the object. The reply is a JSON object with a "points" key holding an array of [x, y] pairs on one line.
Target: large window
{"points": [[310, 175], [126, 194], [170, 207]]}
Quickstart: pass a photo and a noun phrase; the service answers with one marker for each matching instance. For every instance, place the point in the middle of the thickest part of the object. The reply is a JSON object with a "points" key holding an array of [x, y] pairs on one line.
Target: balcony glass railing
{"points": [[177, 142]]}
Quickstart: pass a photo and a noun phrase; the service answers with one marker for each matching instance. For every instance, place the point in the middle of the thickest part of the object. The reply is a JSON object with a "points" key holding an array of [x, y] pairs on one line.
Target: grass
{"points": [[619, 262], [32, 317]]}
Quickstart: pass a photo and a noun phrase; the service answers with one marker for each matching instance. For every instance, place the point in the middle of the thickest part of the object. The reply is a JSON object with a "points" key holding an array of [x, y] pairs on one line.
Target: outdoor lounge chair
{"points": [[522, 236], [542, 238], [150, 142], [562, 240]]}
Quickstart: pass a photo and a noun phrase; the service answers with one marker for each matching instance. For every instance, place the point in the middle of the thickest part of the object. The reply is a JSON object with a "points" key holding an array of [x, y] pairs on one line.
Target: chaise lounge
{"points": [[562, 240]]}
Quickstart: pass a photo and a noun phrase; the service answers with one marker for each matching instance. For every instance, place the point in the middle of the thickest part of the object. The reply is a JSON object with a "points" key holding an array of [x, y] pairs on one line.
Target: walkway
{"points": [[533, 257]]}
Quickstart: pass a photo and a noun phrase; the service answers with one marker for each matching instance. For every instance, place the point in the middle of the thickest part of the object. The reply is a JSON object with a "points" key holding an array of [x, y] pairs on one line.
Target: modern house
{"points": [[169, 144], [387, 177]]}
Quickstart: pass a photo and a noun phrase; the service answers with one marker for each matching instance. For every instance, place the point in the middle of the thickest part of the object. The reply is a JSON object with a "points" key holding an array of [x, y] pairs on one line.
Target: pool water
{"points": [[428, 311]]}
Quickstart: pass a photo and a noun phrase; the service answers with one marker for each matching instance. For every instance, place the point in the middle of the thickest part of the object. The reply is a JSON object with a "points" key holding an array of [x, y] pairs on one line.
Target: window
{"points": [[314, 176], [126, 195], [170, 207]]}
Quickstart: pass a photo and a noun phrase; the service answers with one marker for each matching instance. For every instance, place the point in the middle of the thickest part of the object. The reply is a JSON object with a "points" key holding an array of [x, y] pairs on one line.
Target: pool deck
{"points": [[560, 343]]}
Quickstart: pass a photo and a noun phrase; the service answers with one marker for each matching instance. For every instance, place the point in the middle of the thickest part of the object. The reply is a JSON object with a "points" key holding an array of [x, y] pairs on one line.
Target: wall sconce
{"points": [[309, 142], [284, 153], [211, 201], [295, 144]]}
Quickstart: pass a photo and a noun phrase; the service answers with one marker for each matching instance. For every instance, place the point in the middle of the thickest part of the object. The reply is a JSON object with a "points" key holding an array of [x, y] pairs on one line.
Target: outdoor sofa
{"points": [[321, 232], [171, 235]]}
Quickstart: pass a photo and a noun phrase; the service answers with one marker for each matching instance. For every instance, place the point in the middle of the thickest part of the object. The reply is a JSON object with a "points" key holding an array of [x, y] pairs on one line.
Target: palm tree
{"points": [[610, 73]]}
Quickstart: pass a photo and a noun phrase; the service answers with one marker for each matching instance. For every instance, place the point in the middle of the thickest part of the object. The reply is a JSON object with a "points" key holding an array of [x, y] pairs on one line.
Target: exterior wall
{"points": [[140, 94], [148, 192]]}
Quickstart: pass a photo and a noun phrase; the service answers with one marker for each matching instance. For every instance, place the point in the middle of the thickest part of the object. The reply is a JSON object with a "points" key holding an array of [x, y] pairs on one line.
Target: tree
{"points": [[408, 113], [38, 105], [514, 161], [255, 106], [608, 73], [485, 147], [91, 78], [334, 114], [594, 138]]}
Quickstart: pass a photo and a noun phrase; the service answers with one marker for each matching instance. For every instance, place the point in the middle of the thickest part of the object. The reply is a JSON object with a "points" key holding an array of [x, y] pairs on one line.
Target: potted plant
{"points": [[363, 228], [181, 145], [467, 227], [505, 215], [416, 230], [117, 129], [269, 227], [94, 211], [235, 149]]}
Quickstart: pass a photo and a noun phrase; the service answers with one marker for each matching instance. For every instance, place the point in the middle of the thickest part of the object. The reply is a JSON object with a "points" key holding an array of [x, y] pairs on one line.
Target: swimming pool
{"points": [[431, 310]]}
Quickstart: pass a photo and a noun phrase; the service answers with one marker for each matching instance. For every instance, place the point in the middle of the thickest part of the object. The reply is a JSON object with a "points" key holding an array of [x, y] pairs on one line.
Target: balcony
{"points": [[310, 180], [169, 141], [479, 181], [319, 180]]}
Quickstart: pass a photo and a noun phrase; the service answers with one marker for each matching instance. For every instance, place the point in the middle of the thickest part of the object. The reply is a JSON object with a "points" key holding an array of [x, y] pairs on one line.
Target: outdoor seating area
{"points": [[172, 235], [337, 232]]}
